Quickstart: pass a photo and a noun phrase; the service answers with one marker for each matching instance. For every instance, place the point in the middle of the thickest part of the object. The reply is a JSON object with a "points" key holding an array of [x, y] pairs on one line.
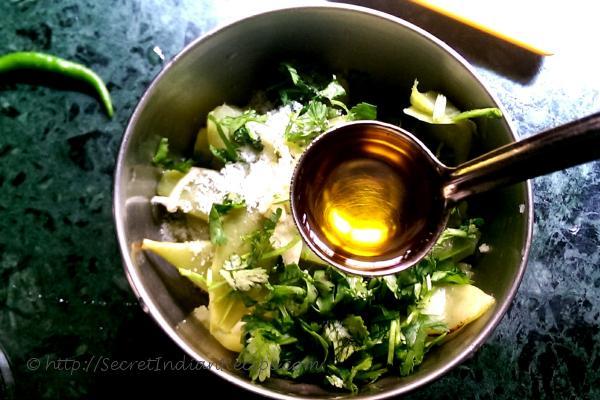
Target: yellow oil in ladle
{"points": [[361, 206]]}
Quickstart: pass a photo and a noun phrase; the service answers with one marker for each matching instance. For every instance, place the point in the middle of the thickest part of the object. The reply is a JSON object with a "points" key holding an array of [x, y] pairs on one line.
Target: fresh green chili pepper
{"points": [[47, 62]]}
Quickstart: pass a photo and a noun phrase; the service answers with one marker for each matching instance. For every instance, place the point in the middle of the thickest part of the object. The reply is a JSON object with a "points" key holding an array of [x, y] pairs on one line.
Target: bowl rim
{"points": [[150, 307]]}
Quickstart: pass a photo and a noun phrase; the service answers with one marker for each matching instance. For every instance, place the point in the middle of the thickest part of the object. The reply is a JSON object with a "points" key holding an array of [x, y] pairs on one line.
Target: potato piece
{"points": [[212, 134], [458, 305], [202, 314], [168, 181], [201, 149]]}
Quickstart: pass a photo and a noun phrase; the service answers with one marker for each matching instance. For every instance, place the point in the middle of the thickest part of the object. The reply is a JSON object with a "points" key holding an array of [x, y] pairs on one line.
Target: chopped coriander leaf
{"points": [[220, 154], [230, 201], [322, 282], [260, 240], [356, 327], [295, 77], [291, 276], [357, 288], [343, 378], [321, 105], [392, 284], [255, 323], [325, 302], [340, 339], [262, 354], [312, 87], [335, 381], [455, 275], [312, 330], [283, 293], [412, 349], [322, 102], [410, 353], [458, 243], [308, 123], [240, 133], [363, 111], [215, 227], [217, 211], [245, 279], [245, 136], [364, 364], [333, 90], [293, 291], [162, 151], [371, 375], [163, 159]]}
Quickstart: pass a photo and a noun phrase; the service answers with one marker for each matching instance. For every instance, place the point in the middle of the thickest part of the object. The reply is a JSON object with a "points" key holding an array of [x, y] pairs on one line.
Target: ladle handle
{"points": [[552, 150]]}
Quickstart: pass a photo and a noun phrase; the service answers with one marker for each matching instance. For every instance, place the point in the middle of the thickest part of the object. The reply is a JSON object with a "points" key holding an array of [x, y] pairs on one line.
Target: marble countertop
{"points": [[63, 293]]}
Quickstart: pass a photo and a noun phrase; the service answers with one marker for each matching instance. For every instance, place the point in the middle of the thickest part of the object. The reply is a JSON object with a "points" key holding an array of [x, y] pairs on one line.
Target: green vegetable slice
{"points": [[433, 108], [191, 259], [447, 124]]}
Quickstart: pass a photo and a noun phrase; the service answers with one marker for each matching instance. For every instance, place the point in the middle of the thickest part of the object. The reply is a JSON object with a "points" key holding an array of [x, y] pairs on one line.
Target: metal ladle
{"points": [[439, 186]]}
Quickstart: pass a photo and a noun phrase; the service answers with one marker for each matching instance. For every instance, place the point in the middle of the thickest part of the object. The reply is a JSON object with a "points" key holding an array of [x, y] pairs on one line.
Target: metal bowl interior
{"points": [[227, 66]]}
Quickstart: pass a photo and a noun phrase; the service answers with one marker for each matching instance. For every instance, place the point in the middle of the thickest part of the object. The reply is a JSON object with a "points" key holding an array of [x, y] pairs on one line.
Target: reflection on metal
{"points": [[7, 382]]}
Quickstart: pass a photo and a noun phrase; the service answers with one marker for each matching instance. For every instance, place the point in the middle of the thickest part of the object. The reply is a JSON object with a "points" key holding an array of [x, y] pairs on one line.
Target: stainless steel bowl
{"points": [[226, 66]]}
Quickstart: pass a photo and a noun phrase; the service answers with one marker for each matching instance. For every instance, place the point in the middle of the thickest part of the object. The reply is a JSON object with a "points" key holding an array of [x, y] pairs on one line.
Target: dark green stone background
{"points": [[63, 293]]}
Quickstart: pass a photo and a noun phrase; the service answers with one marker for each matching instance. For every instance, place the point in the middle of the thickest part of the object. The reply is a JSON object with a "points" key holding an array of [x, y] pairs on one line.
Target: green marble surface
{"points": [[63, 293]]}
